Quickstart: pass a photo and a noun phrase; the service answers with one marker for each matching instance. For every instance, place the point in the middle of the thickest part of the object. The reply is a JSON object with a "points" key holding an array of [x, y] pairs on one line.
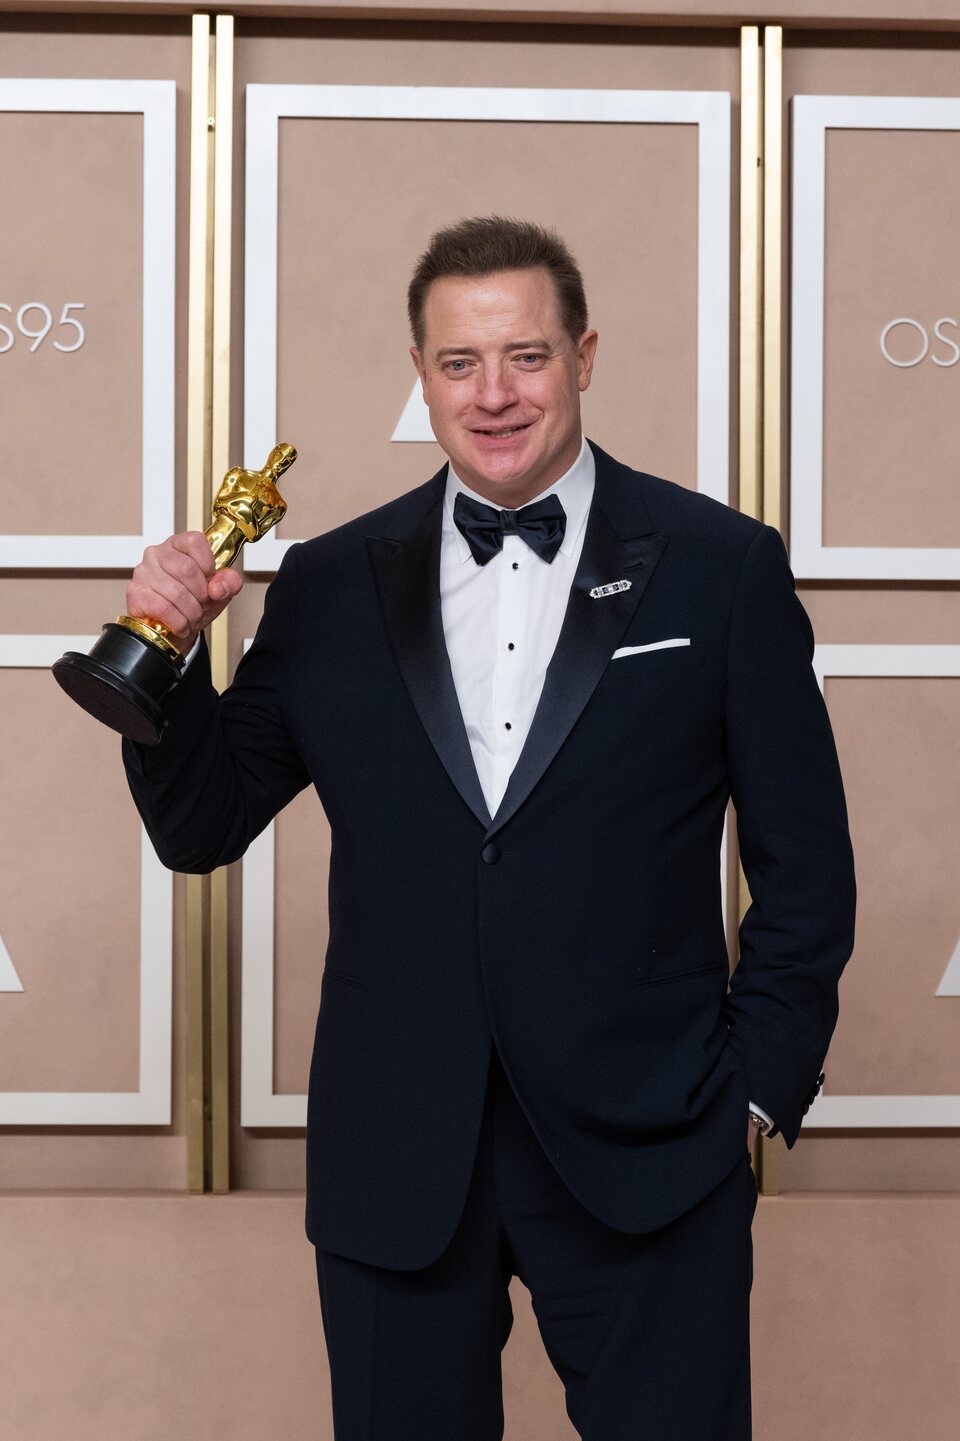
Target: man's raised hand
{"points": [[176, 584]]}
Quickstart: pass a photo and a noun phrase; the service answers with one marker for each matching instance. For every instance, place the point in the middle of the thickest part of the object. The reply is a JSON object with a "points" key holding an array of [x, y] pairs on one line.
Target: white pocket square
{"points": [[654, 645]]}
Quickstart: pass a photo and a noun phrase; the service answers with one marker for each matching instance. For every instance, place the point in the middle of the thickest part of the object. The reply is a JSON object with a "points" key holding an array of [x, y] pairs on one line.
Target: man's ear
{"points": [[418, 364], [586, 352]]}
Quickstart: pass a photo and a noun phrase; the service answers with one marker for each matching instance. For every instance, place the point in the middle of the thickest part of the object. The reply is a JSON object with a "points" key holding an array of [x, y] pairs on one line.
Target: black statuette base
{"points": [[121, 683]]}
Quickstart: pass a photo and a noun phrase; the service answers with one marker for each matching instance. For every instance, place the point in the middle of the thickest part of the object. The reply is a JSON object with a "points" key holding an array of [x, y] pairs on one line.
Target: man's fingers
{"points": [[194, 544], [166, 601], [167, 578], [177, 584], [180, 562]]}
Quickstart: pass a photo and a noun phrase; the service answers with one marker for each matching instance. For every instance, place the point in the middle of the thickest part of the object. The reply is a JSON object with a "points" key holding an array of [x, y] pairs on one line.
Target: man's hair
{"points": [[488, 244]]}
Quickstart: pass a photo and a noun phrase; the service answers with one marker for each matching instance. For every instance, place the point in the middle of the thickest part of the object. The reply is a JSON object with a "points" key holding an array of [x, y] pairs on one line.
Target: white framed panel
{"points": [[708, 110], [892, 1112], [149, 1105], [155, 100], [813, 116]]}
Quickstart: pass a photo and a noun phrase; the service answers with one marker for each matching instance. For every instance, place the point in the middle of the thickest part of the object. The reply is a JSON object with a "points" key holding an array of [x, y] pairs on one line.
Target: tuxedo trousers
{"points": [[649, 1333]]}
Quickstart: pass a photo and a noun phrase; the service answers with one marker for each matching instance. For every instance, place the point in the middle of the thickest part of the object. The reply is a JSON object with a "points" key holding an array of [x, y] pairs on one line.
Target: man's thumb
{"points": [[222, 587]]}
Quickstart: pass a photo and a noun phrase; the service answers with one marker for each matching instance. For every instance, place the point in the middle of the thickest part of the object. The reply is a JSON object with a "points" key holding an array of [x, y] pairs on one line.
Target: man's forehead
{"points": [[493, 301]]}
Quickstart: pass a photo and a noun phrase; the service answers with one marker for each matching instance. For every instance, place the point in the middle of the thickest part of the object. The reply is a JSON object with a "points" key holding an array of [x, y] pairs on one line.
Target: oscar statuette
{"points": [[136, 662]]}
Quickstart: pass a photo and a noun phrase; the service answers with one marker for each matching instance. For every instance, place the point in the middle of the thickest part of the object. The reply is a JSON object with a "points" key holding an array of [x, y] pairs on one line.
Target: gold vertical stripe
{"points": [[222, 242], [751, 311], [772, 267], [219, 632], [197, 384], [769, 1154], [197, 400], [750, 274], [750, 376], [219, 1036], [194, 1005]]}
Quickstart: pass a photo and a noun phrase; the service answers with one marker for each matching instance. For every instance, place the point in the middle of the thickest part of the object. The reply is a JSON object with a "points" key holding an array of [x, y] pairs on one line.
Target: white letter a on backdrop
{"points": [[9, 980], [414, 423], [950, 981]]}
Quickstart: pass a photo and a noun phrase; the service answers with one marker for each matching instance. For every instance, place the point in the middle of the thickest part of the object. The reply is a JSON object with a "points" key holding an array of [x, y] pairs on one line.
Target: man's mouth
{"points": [[502, 433]]}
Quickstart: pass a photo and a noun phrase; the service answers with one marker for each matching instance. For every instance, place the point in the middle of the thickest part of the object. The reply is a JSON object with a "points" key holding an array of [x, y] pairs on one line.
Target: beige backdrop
{"points": [[69, 897], [71, 424], [882, 206], [891, 435], [74, 419], [358, 202], [205, 1309], [900, 753]]}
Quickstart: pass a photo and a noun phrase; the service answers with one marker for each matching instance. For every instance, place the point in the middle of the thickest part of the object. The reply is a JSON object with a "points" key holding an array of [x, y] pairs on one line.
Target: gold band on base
{"points": [[155, 633]]}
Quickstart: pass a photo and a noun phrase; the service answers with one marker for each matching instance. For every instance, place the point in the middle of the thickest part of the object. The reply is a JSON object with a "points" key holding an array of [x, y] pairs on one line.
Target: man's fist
{"points": [[176, 583]]}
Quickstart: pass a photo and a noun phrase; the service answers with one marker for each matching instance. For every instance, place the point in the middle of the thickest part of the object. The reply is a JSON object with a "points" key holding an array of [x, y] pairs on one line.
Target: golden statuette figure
{"points": [[136, 661], [247, 505]]}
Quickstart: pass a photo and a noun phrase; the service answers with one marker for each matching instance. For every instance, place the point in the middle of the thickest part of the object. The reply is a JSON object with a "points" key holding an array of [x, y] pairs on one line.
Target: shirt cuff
{"points": [[189, 657], [768, 1123]]}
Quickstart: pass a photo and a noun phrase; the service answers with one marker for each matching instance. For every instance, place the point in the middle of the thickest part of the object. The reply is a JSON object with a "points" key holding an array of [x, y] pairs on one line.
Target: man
{"points": [[524, 693]]}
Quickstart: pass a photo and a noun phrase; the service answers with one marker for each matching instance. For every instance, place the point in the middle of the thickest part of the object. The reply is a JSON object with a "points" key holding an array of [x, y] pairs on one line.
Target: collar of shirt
{"points": [[575, 490]]}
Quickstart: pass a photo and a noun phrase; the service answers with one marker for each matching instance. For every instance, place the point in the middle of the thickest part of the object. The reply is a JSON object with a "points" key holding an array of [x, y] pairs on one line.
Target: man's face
{"points": [[502, 380]]}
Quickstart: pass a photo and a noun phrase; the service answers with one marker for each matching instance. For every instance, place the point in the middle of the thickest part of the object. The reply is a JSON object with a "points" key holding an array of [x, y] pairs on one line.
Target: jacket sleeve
{"points": [[225, 764], [797, 934]]}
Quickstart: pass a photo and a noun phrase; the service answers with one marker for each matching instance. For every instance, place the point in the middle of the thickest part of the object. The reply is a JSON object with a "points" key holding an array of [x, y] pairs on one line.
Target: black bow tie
{"points": [[483, 527]]}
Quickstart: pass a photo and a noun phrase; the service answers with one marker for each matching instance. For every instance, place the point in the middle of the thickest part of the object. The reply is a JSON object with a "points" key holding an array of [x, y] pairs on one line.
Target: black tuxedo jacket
{"points": [[579, 929]]}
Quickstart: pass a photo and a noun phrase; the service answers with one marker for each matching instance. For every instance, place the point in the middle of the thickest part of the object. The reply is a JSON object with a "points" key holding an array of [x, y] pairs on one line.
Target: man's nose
{"points": [[496, 390]]}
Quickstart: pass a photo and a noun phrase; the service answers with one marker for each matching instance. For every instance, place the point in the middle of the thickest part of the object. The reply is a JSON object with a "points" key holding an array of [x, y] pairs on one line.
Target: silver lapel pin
{"points": [[612, 588]]}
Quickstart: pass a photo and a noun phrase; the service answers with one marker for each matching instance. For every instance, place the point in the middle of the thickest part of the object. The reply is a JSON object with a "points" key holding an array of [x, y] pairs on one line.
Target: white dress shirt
{"points": [[501, 624]]}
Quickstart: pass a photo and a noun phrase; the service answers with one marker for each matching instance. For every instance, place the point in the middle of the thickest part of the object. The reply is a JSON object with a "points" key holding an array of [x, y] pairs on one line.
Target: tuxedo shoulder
{"points": [[390, 521], [671, 504], [679, 511]]}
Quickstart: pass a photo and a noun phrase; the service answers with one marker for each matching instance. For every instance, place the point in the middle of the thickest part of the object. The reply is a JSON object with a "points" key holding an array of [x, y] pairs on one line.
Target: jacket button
{"points": [[490, 853]]}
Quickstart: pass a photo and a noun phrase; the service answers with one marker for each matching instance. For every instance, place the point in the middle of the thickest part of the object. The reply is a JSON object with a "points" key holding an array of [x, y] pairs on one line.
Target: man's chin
{"points": [[505, 469]]}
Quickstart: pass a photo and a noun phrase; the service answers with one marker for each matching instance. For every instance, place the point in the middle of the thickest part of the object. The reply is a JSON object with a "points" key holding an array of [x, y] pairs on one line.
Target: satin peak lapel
{"points": [[408, 583], [592, 629]]}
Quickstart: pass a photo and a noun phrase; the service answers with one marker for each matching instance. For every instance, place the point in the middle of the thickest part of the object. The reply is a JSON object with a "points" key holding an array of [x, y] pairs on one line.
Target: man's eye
{"points": [[457, 366], [531, 358]]}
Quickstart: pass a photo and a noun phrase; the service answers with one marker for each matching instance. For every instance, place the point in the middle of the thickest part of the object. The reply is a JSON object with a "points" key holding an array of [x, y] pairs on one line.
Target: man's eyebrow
{"points": [[539, 344]]}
